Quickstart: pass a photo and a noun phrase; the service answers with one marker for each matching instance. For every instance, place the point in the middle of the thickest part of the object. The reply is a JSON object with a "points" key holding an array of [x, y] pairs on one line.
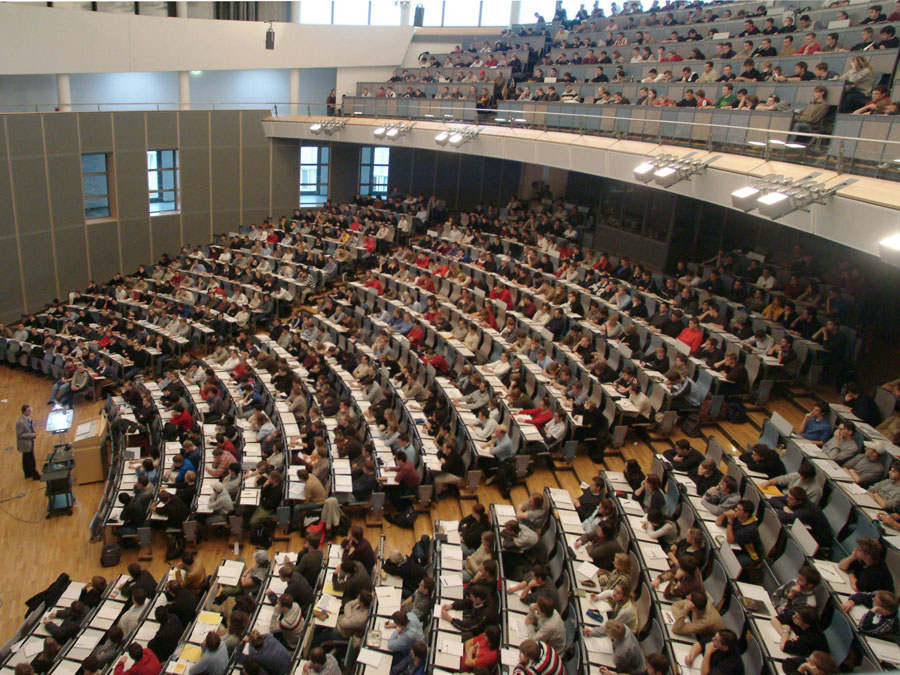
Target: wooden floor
{"points": [[38, 549]]}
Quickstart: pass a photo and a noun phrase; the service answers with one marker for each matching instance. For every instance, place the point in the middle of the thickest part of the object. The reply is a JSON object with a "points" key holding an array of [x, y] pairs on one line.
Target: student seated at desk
{"points": [[696, 616], [867, 467], [684, 457], [743, 530], [866, 568], [763, 459], [804, 477]]}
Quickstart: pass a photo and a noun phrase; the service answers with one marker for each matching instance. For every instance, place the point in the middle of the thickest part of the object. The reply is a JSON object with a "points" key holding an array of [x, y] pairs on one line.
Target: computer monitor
{"points": [[59, 420]]}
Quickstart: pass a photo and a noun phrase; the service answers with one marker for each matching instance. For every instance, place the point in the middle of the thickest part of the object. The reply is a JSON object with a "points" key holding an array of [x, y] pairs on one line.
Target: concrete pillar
{"points": [[515, 12], [405, 13], [295, 11], [181, 10], [294, 96], [184, 90], [63, 93]]}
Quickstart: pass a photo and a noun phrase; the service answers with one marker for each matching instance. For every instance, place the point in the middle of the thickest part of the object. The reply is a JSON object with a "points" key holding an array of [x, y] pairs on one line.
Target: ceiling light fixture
{"points": [[667, 170], [328, 126], [776, 196], [456, 137]]}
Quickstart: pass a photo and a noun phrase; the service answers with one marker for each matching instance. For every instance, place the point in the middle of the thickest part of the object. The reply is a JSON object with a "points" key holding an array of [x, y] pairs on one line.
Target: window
{"points": [[373, 170], [162, 180], [95, 177], [313, 174], [354, 13], [495, 13], [465, 13], [315, 12], [385, 13]]}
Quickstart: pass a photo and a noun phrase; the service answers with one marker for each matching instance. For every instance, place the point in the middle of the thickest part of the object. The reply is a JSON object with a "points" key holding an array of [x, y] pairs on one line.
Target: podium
{"points": [[57, 480], [86, 450]]}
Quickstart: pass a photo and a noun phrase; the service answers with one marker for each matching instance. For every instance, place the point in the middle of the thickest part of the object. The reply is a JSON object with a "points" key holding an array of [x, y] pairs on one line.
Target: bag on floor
{"points": [[175, 547], [110, 555], [736, 413], [261, 535], [405, 519], [691, 425]]}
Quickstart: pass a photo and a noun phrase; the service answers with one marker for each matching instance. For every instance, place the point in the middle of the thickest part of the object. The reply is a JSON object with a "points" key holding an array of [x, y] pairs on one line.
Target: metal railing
{"points": [[859, 144]]}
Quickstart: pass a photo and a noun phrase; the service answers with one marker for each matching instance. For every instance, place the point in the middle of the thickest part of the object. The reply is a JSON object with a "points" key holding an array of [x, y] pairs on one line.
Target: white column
{"points": [[515, 12], [63, 93], [405, 13], [181, 10], [294, 94], [295, 11], [184, 90]]}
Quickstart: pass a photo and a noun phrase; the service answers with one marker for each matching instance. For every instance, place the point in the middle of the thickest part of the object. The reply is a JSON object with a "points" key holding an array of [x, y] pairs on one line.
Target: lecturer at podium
{"points": [[25, 436]]}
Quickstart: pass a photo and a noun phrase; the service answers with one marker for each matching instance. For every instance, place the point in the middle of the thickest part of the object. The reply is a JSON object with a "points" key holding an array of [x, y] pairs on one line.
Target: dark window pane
{"points": [[96, 208], [95, 185], [364, 173], [168, 180], [366, 155], [167, 159], [93, 163]]}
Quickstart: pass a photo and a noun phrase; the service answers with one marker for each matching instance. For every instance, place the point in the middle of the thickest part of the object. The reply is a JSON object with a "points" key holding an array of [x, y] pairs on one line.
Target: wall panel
{"points": [[103, 243], [284, 192], [423, 177], [95, 131], [38, 269], [71, 258], [99, 249], [11, 305]]}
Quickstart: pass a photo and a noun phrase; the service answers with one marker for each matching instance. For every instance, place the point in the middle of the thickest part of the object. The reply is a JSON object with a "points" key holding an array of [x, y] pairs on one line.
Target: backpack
{"points": [[405, 519], [691, 425], [261, 535], [736, 413], [421, 550], [110, 555]]}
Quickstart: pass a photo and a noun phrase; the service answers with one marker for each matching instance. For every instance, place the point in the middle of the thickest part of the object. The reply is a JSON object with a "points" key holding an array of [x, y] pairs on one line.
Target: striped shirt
{"points": [[548, 662]]}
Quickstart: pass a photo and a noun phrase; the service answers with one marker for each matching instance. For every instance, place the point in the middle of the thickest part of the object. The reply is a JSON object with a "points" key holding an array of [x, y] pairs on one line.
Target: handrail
{"points": [[775, 139]]}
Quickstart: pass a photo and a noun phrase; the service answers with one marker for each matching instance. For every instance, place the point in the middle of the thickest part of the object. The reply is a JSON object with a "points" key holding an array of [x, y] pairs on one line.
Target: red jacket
{"points": [[440, 364], [148, 665], [415, 335], [539, 416], [692, 338], [374, 283], [183, 420], [502, 294]]}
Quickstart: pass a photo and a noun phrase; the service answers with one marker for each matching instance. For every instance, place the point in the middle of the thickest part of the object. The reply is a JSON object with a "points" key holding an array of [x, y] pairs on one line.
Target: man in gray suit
{"points": [[25, 436]]}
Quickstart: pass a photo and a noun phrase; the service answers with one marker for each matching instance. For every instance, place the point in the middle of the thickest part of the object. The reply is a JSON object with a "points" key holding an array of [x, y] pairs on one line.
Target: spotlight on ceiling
{"points": [[456, 137], [776, 196], [666, 176], [392, 131], [667, 170], [775, 205], [745, 198], [889, 247], [644, 172], [328, 126]]}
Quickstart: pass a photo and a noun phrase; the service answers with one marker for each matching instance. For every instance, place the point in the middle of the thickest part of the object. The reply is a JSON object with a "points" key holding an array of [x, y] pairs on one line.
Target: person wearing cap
{"points": [[410, 571], [250, 580], [867, 468]]}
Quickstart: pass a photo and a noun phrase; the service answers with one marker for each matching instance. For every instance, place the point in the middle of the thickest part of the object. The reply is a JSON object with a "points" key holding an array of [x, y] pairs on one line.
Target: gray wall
{"points": [[230, 174]]}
